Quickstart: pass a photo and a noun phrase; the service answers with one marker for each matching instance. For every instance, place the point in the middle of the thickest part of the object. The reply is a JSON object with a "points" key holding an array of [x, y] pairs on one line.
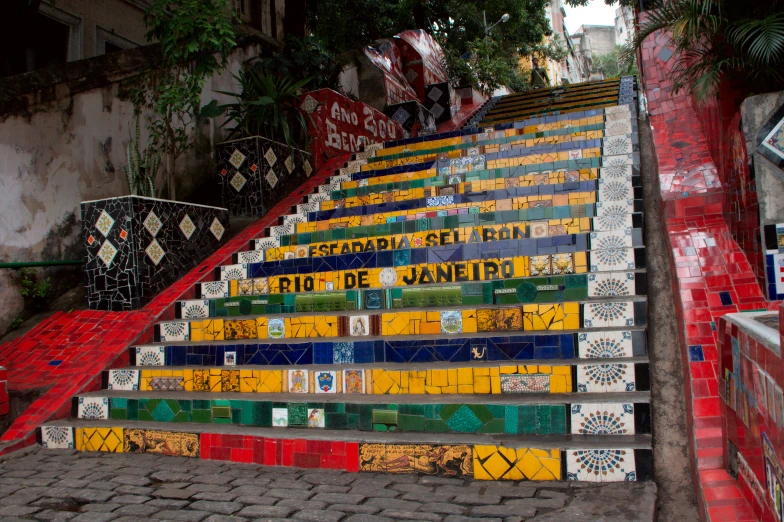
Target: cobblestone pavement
{"points": [[63, 485]]}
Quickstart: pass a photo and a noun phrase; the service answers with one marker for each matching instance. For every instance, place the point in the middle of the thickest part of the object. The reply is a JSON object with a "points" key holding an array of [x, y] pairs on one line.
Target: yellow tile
{"points": [[465, 376], [439, 378], [495, 384]]}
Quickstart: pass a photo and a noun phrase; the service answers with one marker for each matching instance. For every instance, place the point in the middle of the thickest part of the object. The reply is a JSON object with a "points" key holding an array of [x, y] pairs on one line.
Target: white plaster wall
{"points": [[73, 149]]}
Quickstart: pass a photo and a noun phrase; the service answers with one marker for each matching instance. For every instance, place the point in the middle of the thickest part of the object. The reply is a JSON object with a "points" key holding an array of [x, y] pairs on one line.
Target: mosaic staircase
{"points": [[466, 304]]}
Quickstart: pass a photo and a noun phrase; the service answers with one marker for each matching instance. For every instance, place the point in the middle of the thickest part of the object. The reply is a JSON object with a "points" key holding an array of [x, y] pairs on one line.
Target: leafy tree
{"points": [[458, 25], [195, 38], [613, 64], [716, 40], [580, 3]]}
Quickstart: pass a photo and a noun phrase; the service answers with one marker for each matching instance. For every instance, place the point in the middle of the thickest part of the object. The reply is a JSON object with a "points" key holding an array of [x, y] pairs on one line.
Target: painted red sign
{"points": [[338, 125]]}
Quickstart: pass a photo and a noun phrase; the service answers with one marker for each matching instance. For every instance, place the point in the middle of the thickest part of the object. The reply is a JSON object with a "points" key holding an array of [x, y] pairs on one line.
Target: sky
{"points": [[595, 13]]}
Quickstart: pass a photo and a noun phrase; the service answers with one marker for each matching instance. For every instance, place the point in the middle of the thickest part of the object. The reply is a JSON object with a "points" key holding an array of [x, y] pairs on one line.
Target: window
{"points": [[108, 42]]}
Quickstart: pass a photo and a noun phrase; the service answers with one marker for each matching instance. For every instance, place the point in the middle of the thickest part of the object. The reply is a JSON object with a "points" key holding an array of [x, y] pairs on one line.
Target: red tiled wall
{"points": [[298, 453], [713, 277], [3, 391]]}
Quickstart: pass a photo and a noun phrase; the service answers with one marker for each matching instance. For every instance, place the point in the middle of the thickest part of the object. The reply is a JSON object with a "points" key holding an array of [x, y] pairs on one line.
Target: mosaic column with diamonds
{"points": [[135, 247]]}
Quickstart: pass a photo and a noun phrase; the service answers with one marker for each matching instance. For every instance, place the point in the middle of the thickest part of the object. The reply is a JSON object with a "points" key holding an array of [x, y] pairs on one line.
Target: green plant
{"points": [[303, 58], [142, 165], [30, 287], [614, 64], [16, 323], [716, 40], [266, 106], [194, 38]]}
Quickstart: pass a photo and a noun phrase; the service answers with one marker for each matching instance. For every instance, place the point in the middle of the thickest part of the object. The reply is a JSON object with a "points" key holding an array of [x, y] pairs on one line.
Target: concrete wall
{"points": [[63, 136], [755, 111], [602, 38]]}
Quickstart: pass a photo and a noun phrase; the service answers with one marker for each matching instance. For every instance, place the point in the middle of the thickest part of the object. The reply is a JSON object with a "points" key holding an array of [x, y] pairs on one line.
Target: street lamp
{"points": [[503, 19]]}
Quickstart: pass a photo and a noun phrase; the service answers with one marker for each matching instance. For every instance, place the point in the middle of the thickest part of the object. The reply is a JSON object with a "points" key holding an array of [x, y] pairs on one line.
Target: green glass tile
{"points": [[526, 421], [465, 420], [482, 412], [119, 402], [298, 414], [384, 416], [163, 412], [236, 415], [335, 421], [436, 426], [221, 412], [145, 416], [558, 419], [498, 411], [365, 417], [380, 427], [494, 426], [183, 416], [118, 414], [510, 419], [543, 423], [133, 409]]}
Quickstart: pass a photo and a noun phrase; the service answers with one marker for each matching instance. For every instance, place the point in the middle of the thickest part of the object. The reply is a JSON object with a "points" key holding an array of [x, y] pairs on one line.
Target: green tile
{"points": [[526, 421], [201, 416], [384, 416], [543, 422]]}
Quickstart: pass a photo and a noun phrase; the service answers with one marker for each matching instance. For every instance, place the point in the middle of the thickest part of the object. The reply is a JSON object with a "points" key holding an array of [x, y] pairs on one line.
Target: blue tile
{"points": [[695, 353]]}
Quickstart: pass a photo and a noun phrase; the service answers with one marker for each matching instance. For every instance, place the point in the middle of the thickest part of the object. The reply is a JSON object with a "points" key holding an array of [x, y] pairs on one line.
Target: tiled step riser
{"points": [[453, 219], [604, 191], [516, 349], [600, 252], [488, 233], [598, 419], [507, 113], [617, 137], [549, 289], [477, 461], [602, 376], [530, 318], [414, 209], [369, 275], [587, 128]]}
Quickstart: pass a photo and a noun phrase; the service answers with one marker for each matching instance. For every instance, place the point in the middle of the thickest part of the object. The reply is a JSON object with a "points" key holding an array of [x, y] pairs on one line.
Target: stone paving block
{"points": [[51, 515], [503, 511], [331, 478], [461, 518], [374, 491], [441, 481], [302, 504], [219, 479], [170, 476], [350, 508], [132, 480], [167, 503], [257, 501], [95, 516], [316, 515], [214, 488], [394, 503], [289, 484], [103, 507], [18, 511], [130, 499], [249, 490], [515, 492], [266, 511], [184, 515], [180, 494], [131, 518], [71, 483], [259, 482], [325, 488], [360, 517], [82, 495], [104, 485], [443, 507], [133, 490], [426, 497], [397, 514], [224, 518], [339, 498], [412, 488], [217, 497], [137, 510], [289, 493], [222, 508], [477, 500]]}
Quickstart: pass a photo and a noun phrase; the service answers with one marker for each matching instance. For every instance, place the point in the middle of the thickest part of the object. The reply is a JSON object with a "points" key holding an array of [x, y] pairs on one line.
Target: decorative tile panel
{"points": [[601, 465]]}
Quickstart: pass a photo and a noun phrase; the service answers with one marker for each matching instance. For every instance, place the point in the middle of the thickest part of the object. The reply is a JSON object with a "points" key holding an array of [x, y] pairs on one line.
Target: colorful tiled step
{"points": [[596, 376], [603, 415], [542, 348], [562, 316], [448, 455]]}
